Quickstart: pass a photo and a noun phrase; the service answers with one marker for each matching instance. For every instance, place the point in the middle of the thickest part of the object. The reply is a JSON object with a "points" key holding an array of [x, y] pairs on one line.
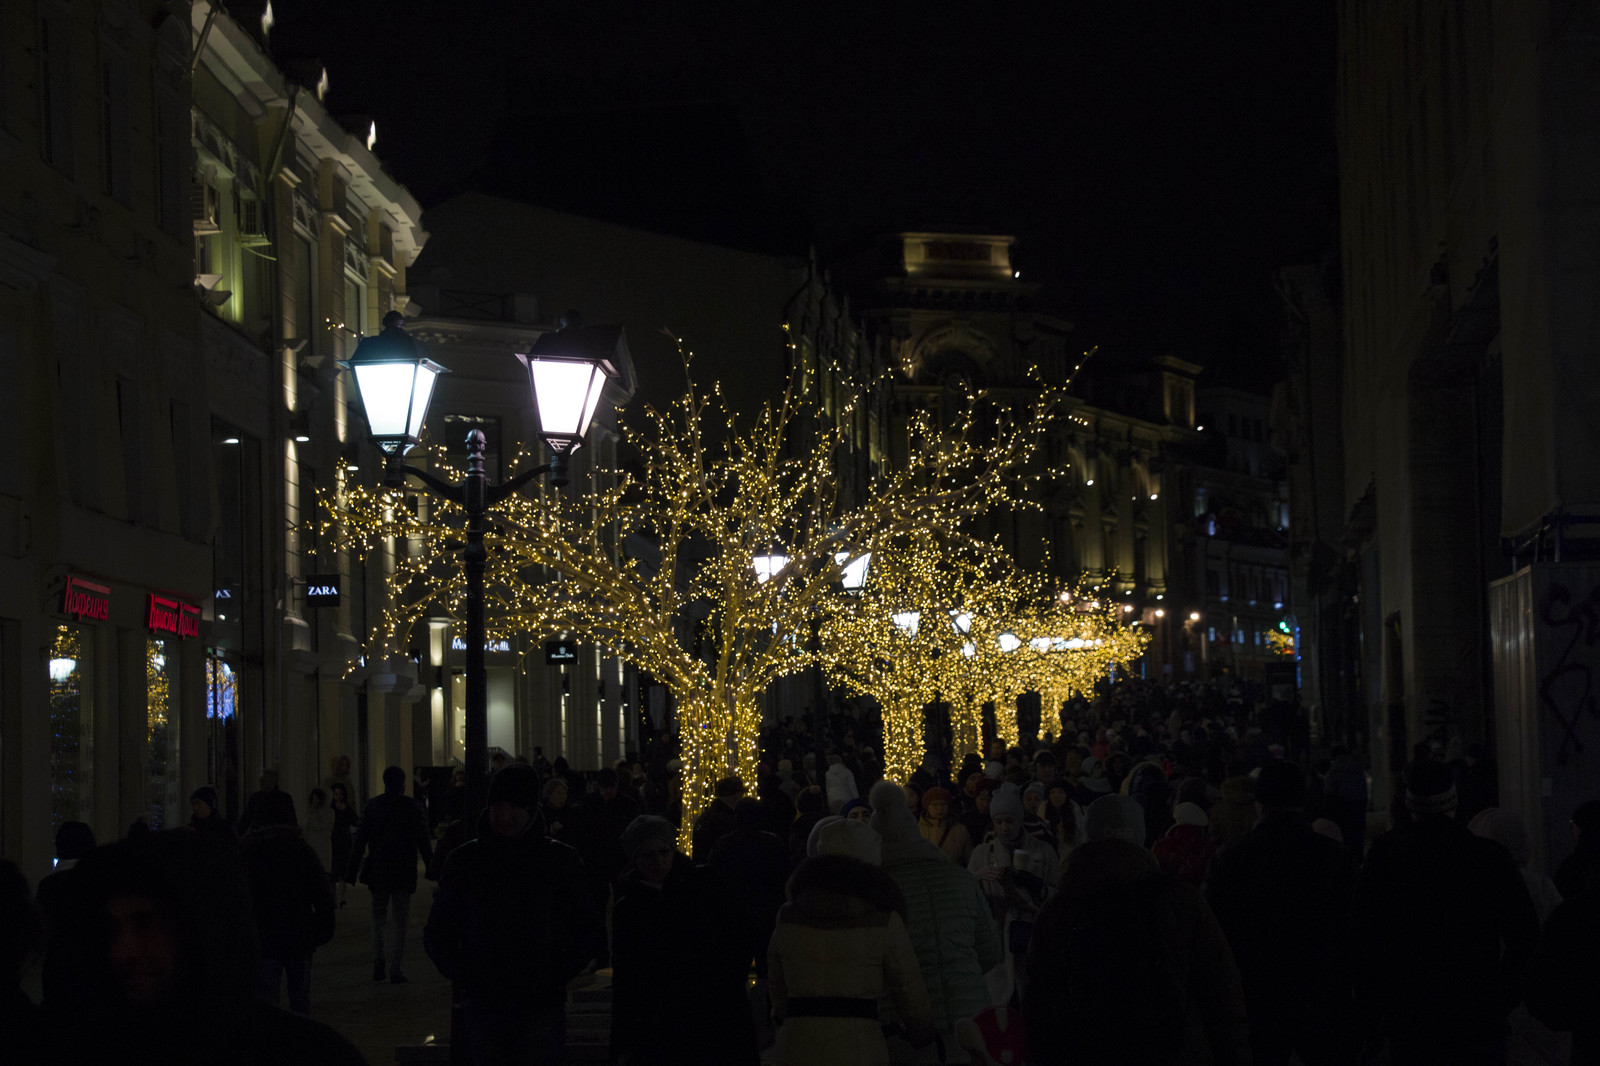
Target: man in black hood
{"points": [[394, 829], [512, 922], [161, 963]]}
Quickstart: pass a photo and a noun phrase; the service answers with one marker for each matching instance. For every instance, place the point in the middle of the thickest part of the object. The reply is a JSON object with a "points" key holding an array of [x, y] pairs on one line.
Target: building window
{"points": [[55, 92], [173, 169], [129, 426], [115, 154], [305, 287], [161, 734], [355, 307], [71, 726]]}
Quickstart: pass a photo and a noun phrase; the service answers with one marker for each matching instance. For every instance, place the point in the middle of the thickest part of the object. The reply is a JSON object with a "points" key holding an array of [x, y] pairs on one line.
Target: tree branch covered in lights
{"points": [[657, 563]]}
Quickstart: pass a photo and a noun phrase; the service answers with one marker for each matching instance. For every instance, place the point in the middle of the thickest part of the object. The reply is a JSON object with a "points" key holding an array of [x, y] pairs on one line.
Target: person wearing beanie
{"points": [[1234, 814], [1282, 894], [1035, 796], [812, 805], [1092, 783], [682, 941], [856, 809], [1115, 817], [1443, 931], [1185, 851], [975, 820], [396, 831], [512, 922], [952, 932], [1017, 872], [941, 829], [839, 946], [206, 818]]}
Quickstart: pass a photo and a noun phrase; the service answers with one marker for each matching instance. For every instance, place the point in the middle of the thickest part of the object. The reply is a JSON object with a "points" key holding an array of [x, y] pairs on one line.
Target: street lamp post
{"points": [[394, 379]]}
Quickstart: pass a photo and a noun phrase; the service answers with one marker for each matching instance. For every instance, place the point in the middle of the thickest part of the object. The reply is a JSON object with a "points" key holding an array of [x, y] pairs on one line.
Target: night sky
{"points": [[1157, 161]]}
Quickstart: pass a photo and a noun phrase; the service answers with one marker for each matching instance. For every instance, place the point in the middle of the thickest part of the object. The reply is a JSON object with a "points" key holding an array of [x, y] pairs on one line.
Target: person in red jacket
{"points": [[1186, 850]]}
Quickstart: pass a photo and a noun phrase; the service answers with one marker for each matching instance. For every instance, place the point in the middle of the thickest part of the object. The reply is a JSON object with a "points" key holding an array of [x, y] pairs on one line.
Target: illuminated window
{"points": [[71, 726]]}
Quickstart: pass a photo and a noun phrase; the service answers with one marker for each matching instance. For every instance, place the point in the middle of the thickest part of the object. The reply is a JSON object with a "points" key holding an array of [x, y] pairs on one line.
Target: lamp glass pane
{"points": [[767, 565], [597, 388], [386, 392], [907, 621], [421, 394], [1009, 642], [561, 391], [854, 577]]}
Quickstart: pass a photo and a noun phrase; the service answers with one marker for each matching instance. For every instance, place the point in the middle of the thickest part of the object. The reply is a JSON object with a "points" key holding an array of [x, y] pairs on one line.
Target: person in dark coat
{"points": [[1580, 871], [755, 864], [1564, 983], [21, 938], [163, 964], [680, 959], [207, 818], [269, 784], [1443, 930], [293, 901], [512, 922], [396, 831], [344, 829], [1282, 895], [1128, 964], [716, 821], [812, 805]]}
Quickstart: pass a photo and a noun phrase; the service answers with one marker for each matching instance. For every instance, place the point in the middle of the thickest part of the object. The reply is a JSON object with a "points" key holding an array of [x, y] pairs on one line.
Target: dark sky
{"points": [[1157, 161]]}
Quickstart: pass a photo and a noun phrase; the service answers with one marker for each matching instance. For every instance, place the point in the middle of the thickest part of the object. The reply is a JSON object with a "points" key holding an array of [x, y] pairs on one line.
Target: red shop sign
{"points": [[166, 615], [85, 600]]}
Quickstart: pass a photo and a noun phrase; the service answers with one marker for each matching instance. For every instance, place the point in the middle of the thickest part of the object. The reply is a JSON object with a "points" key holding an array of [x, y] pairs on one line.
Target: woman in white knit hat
{"points": [[1017, 872]]}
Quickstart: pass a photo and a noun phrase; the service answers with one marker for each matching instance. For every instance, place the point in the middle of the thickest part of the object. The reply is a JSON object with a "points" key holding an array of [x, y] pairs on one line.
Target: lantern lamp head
{"points": [[394, 380]]}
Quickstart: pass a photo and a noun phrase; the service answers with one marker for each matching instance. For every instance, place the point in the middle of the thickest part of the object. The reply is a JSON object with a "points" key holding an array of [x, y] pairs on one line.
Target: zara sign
{"points": [[322, 590]]}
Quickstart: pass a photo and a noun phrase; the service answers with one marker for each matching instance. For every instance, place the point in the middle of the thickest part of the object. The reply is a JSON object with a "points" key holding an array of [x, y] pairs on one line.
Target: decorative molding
{"points": [[336, 222], [22, 268], [354, 261]]}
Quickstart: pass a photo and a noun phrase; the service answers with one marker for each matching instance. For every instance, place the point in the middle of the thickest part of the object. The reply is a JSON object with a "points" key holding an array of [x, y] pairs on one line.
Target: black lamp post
{"points": [[567, 372]]}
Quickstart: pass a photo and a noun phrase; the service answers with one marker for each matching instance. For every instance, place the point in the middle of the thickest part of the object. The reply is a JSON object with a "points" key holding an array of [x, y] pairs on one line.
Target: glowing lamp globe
{"points": [[854, 577], [907, 621], [568, 371], [766, 566], [1009, 642], [394, 380]]}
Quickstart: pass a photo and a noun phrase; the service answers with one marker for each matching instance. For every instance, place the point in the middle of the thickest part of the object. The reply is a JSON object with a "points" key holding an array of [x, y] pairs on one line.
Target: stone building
{"points": [[1468, 181]]}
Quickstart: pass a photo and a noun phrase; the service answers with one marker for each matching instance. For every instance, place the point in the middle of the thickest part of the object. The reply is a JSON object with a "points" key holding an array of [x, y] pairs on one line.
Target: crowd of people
{"points": [[1169, 880]]}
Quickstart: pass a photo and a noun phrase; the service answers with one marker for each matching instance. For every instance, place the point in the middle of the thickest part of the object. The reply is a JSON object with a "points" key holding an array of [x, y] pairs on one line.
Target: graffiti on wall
{"points": [[1567, 689]]}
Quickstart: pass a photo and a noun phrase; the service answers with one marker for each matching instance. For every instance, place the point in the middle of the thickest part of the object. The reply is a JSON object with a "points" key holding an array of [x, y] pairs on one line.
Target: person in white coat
{"points": [[1017, 872], [841, 784]]}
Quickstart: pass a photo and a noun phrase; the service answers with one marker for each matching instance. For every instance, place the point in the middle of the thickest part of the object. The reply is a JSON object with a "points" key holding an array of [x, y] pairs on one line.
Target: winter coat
{"points": [[290, 891], [841, 787], [754, 865], [1579, 871], [513, 920], [318, 831], [1201, 967], [395, 830], [714, 823], [344, 828], [951, 928], [950, 837], [1015, 897], [1564, 985], [1234, 814], [1186, 851], [841, 937], [1443, 931], [680, 960], [252, 805], [1147, 784], [215, 824], [1282, 896]]}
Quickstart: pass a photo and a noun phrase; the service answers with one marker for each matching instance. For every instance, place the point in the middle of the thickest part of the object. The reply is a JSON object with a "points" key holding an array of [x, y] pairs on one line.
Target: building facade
{"points": [[1471, 487]]}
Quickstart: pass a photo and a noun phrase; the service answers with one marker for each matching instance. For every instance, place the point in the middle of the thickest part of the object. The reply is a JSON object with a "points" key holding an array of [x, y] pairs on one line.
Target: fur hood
{"points": [[837, 886]]}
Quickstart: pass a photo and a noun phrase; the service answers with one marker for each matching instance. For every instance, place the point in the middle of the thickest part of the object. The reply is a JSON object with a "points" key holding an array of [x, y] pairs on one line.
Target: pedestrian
{"points": [[344, 828], [1346, 790], [396, 833], [293, 901], [206, 818], [941, 829], [1580, 871], [339, 773], [560, 822], [947, 917], [27, 1040], [856, 809], [1507, 828], [840, 945], [318, 829], [1564, 984], [841, 784], [1443, 930], [1282, 895], [754, 864], [975, 820], [1129, 964], [1017, 873], [269, 784], [681, 952], [1234, 814], [1186, 849], [511, 924], [716, 821], [165, 964], [1147, 784], [813, 807]]}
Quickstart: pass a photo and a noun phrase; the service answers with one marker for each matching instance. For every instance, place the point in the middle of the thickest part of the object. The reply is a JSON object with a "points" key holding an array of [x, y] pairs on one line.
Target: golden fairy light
{"points": [[656, 563]]}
